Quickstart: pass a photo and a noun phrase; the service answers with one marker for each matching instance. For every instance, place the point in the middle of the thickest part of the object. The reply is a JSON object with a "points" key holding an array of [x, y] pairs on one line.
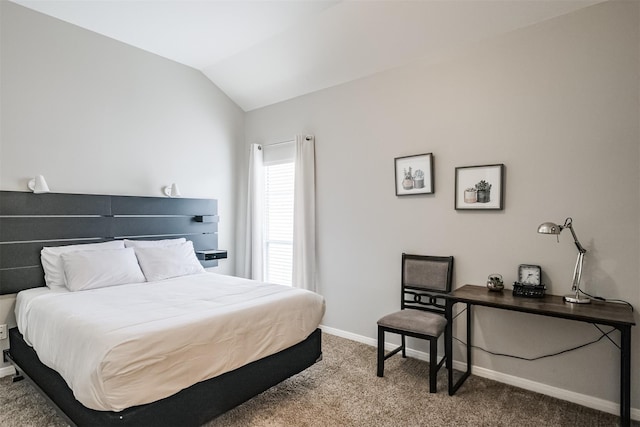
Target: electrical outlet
{"points": [[3, 332]]}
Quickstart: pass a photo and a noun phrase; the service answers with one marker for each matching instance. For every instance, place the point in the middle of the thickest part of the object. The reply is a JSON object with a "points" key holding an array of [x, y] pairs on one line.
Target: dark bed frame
{"points": [[30, 221]]}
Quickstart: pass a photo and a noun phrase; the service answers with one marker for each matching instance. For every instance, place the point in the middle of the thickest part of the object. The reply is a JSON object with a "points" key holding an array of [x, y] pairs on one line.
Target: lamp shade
{"points": [[38, 185], [549, 228]]}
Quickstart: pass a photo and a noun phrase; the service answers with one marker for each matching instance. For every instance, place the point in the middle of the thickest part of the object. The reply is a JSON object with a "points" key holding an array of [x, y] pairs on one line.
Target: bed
{"points": [[177, 350]]}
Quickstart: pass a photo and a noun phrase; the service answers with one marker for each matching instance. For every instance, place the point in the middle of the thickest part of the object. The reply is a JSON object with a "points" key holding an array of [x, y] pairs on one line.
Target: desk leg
{"points": [[448, 343], [468, 341], [625, 376], [449, 347]]}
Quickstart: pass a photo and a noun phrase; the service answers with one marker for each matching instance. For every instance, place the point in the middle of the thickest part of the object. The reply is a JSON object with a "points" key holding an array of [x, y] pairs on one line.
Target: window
{"points": [[278, 239]]}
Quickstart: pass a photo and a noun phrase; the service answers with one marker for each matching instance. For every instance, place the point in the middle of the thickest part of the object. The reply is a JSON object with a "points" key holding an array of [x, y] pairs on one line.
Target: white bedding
{"points": [[128, 345]]}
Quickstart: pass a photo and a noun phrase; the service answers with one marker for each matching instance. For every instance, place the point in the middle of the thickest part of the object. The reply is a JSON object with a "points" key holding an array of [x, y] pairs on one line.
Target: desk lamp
{"points": [[551, 228]]}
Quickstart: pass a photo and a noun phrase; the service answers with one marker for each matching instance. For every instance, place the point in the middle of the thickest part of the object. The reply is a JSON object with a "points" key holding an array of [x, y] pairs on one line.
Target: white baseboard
{"points": [[570, 396], [5, 371]]}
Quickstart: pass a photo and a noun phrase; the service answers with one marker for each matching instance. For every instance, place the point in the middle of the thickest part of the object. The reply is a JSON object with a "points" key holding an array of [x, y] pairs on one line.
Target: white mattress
{"points": [[128, 345]]}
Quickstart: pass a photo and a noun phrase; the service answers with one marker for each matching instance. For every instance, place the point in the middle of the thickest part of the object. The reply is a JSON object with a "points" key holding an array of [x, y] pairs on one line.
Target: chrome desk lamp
{"points": [[551, 228]]}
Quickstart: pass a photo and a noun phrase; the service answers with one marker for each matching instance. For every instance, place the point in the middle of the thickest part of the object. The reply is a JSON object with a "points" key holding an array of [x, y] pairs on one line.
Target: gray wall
{"points": [[94, 115], [557, 103]]}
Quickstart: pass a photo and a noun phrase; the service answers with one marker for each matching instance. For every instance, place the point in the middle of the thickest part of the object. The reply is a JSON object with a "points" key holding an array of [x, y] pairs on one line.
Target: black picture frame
{"points": [[480, 187], [414, 175]]}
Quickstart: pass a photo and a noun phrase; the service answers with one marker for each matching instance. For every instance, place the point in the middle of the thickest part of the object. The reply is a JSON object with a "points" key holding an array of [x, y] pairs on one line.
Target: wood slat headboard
{"points": [[29, 221]]}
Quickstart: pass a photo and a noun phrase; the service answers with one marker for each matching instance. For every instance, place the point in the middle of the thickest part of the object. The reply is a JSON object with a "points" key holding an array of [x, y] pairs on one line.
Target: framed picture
{"points": [[414, 174], [480, 187]]}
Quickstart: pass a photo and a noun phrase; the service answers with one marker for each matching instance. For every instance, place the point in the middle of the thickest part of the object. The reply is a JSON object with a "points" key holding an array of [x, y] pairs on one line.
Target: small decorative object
{"points": [[414, 174], [479, 187], [483, 190], [495, 282], [529, 291], [530, 274], [529, 283], [407, 182], [418, 179], [470, 195]]}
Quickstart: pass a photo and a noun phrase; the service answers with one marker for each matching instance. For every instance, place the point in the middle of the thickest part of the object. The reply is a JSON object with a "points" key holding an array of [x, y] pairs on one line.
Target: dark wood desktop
{"points": [[616, 315]]}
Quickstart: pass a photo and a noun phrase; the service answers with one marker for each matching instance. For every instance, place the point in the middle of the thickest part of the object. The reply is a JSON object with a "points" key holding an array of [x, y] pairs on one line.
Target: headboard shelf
{"points": [[24, 254], [30, 221], [153, 226], [52, 228], [131, 205], [19, 203]]}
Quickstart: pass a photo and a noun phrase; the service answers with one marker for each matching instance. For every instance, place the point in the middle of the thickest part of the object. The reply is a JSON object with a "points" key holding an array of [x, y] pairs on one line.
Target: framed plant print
{"points": [[480, 187], [414, 174]]}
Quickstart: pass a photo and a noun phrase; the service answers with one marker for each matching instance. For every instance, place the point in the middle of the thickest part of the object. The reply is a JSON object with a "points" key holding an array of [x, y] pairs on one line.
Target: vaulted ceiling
{"points": [[262, 52]]}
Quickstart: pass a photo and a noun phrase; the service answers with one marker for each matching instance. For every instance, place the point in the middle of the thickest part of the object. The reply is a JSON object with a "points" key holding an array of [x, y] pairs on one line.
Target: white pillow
{"points": [[52, 263], [152, 243], [99, 269], [170, 261]]}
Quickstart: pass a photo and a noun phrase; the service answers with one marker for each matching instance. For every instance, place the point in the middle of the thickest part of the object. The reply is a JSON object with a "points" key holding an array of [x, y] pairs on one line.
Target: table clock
{"points": [[529, 283]]}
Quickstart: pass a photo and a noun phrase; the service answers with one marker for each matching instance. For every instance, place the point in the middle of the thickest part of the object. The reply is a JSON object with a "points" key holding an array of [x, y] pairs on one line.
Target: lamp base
{"points": [[576, 299]]}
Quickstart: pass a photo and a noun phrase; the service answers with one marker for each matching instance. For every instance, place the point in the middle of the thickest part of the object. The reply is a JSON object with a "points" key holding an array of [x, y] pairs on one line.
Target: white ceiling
{"points": [[262, 52]]}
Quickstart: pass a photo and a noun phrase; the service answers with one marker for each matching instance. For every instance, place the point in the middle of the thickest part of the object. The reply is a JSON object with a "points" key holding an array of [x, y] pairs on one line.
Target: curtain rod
{"points": [[278, 143], [307, 138]]}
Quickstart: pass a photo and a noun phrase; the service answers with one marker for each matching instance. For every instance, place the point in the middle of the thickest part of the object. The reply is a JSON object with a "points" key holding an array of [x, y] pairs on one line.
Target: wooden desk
{"points": [[602, 313]]}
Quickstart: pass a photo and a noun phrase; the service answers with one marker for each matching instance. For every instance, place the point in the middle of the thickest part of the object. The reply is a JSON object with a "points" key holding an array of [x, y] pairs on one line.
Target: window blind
{"points": [[279, 222]]}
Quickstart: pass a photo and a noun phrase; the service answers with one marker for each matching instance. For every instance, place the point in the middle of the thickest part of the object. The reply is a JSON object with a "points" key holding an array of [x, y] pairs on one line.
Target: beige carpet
{"points": [[343, 390]]}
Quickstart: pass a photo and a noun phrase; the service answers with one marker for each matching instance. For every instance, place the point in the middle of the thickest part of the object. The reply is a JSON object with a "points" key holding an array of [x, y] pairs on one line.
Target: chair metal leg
{"points": [[433, 365], [380, 351], [404, 347]]}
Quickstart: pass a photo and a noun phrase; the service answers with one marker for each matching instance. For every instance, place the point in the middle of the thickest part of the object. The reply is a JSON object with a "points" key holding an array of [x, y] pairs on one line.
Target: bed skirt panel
{"points": [[192, 406]]}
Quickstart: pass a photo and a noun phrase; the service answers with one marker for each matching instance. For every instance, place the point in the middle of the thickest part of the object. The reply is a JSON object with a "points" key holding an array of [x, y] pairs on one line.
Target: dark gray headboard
{"points": [[30, 221]]}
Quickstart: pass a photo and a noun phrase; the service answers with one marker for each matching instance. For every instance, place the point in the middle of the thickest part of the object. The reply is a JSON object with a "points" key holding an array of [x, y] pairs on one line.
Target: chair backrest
{"points": [[424, 281]]}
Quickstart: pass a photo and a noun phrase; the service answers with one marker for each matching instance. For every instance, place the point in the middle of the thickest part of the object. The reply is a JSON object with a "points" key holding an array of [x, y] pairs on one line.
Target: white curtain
{"points": [[254, 257], [304, 214]]}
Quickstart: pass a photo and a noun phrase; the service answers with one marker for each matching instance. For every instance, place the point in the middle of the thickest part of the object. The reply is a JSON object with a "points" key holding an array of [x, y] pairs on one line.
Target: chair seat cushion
{"points": [[416, 321]]}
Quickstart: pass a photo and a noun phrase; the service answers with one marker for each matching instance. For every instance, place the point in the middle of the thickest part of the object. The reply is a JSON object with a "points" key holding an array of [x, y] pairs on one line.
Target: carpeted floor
{"points": [[343, 390]]}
